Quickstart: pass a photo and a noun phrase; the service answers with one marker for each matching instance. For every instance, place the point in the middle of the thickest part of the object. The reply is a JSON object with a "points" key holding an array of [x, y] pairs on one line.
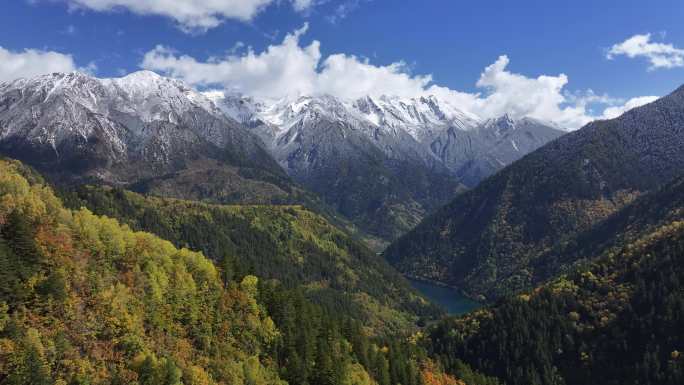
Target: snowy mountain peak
{"points": [[144, 75], [501, 124], [57, 107], [147, 83], [421, 117], [49, 81], [507, 123]]}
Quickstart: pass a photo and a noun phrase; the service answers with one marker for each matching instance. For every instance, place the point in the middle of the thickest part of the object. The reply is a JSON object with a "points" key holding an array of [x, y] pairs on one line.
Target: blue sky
{"points": [[453, 41]]}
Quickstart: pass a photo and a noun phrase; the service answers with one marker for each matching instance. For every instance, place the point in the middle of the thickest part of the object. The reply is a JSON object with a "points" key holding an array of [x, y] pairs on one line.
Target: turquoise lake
{"points": [[449, 299]]}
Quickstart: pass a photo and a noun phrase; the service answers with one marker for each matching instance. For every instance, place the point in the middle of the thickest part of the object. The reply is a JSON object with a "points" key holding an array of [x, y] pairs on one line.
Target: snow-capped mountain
{"points": [[142, 128], [495, 143], [419, 117], [384, 161], [126, 113], [428, 128]]}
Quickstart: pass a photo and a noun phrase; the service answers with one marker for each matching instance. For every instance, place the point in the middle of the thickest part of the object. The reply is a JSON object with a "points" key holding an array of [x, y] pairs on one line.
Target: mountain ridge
{"points": [[111, 122], [358, 154], [484, 239], [157, 135]]}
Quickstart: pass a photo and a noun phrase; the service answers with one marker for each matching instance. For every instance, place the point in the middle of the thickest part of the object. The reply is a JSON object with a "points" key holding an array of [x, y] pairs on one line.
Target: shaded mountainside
{"points": [[618, 319], [86, 300], [358, 168], [644, 215], [286, 243], [361, 182], [486, 240], [385, 162]]}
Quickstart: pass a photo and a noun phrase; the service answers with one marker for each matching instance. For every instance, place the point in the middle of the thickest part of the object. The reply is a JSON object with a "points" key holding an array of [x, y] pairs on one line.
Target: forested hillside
{"points": [[286, 243], [86, 300], [645, 214], [615, 320]]}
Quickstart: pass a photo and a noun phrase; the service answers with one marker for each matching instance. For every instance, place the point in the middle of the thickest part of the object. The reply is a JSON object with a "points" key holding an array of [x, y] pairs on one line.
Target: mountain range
{"points": [[384, 163], [140, 129], [572, 242], [489, 240]]}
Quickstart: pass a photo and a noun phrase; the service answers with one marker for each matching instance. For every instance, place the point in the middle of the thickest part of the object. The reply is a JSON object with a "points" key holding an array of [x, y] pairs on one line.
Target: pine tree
{"points": [[19, 257], [171, 374], [20, 236], [147, 374], [29, 369]]}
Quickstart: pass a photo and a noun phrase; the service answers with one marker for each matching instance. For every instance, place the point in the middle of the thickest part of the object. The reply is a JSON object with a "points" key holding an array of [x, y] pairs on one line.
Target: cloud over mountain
{"points": [[290, 68], [32, 62]]}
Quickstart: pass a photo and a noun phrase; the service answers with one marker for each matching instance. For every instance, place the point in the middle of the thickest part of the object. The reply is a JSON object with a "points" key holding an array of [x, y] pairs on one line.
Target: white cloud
{"points": [[344, 9], [350, 77], [32, 62], [302, 5], [615, 111], [290, 68], [191, 15], [660, 55], [278, 71], [519, 95]]}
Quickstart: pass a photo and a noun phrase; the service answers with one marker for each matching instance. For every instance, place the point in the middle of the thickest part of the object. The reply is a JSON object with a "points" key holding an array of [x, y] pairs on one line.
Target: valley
{"points": [[341, 192], [299, 259]]}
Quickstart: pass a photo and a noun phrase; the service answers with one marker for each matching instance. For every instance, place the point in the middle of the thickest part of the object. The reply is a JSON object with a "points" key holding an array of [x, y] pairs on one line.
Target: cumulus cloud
{"points": [[290, 68], [32, 62], [518, 95], [191, 15], [660, 55], [278, 71]]}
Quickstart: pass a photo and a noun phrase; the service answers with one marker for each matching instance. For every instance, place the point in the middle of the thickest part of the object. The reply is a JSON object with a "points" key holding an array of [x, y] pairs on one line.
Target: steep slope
{"points": [[384, 162], [287, 243], [638, 219], [85, 300], [141, 130], [486, 239], [357, 167], [617, 319]]}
